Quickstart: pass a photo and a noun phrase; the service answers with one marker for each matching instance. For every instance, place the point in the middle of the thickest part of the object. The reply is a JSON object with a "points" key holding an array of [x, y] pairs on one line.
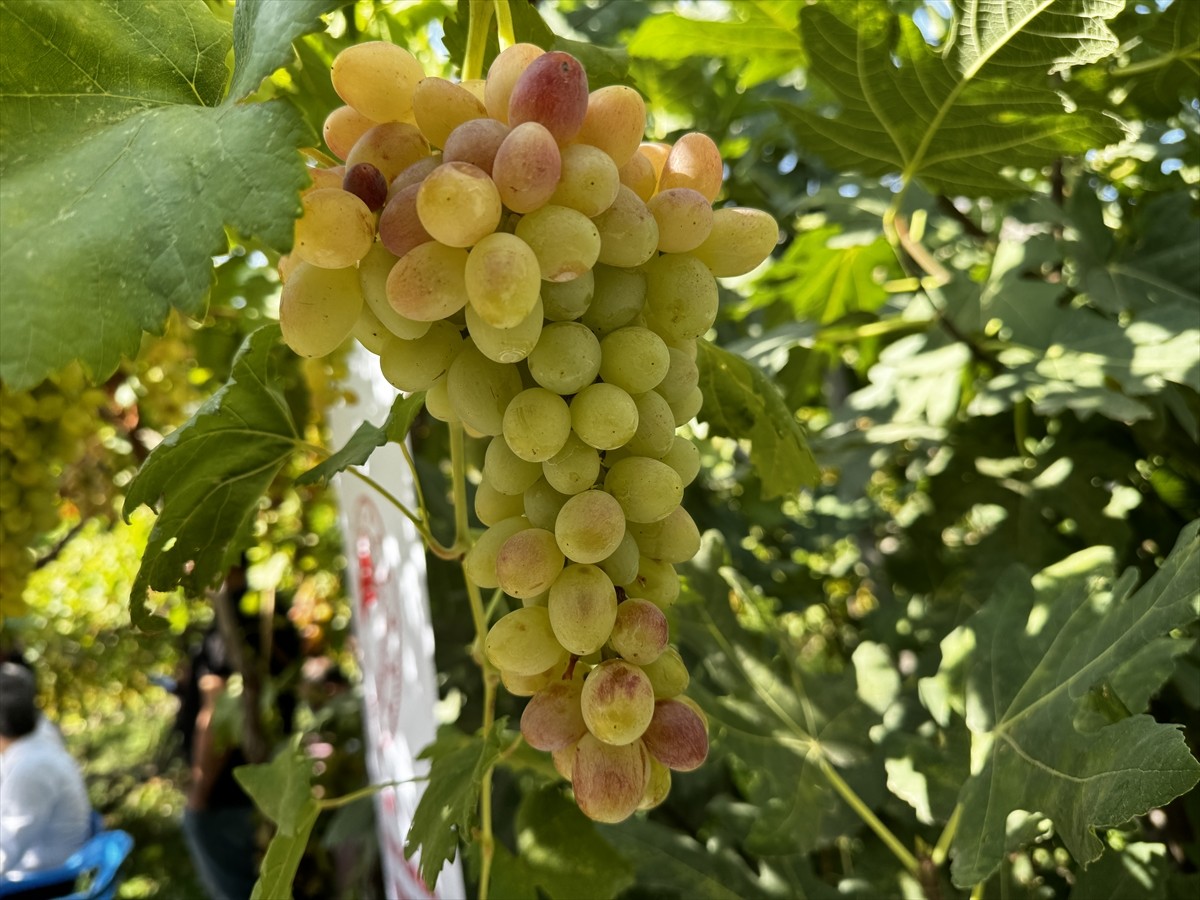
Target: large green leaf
{"points": [[120, 171], [209, 474], [561, 849], [1041, 647], [263, 32], [281, 789], [763, 40], [741, 402], [775, 724], [447, 809], [958, 121]]}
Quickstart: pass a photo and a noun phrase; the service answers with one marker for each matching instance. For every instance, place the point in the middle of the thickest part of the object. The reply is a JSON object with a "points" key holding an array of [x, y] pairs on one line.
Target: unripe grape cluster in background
{"points": [[514, 249]]}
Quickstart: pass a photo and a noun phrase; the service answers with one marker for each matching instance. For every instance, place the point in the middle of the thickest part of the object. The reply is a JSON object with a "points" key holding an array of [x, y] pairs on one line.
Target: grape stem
{"points": [[462, 543], [864, 812], [435, 546], [477, 33], [504, 24]]}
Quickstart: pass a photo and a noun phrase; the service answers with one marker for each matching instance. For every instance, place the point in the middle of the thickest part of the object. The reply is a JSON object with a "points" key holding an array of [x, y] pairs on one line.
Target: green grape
{"points": [[341, 129], [617, 702], [318, 308], [437, 402], [566, 301], [480, 561], [506, 345], [648, 490], [481, 389], [628, 232], [536, 424], [634, 359], [656, 427], [523, 643], [688, 408], [684, 458], [507, 472], [590, 526], [681, 297], [658, 786], [566, 358], [740, 240], [641, 631], [620, 295], [583, 607], [574, 468], [491, 506], [528, 563], [621, 566], [588, 182], [668, 675], [543, 503], [681, 378], [565, 241], [654, 580], [684, 218], [369, 331], [609, 781], [415, 365], [503, 280], [615, 122], [604, 416]]}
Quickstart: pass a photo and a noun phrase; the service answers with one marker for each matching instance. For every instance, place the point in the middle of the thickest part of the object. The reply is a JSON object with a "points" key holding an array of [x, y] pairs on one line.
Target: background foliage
{"points": [[985, 312]]}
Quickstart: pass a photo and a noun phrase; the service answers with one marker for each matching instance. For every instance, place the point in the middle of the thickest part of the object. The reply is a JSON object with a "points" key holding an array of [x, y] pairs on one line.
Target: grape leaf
{"points": [[447, 808], [263, 32], [764, 41], [367, 437], [121, 167], [741, 402], [561, 849], [209, 474], [281, 789], [1041, 646], [774, 724], [1138, 871], [283, 857], [956, 121]]}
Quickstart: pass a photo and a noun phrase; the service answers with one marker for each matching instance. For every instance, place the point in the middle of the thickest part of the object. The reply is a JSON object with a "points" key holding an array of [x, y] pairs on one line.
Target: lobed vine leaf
{"points": [[113, 113], [449, 804], [263, 31], [367, 437], [207, 476], [960, 120], [1042, 648], [281, 788], [741, 402]]}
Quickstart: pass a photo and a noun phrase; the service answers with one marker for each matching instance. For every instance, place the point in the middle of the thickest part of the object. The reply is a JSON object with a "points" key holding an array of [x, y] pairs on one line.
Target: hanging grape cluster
{"points": [[512, 247], [41, 431]]}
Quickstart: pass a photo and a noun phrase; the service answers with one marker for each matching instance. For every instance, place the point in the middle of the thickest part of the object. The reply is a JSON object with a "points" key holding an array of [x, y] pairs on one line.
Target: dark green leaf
{"points": [[448, 806], [263, 31], [281, 789], [511, 877], [120, 173], [283, 856], [1136, 872], [1040, 647], [957, 122], [562, 850], [361, 444], [208, 475], [741, 402]]}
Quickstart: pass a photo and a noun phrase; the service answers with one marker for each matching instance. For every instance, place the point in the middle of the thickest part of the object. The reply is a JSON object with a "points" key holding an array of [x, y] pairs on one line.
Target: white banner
{"points": [[386, 576]]}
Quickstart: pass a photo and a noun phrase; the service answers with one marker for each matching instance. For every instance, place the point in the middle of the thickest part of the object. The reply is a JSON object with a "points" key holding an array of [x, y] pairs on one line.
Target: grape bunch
{"points": [[41, 431], [513, 248]]}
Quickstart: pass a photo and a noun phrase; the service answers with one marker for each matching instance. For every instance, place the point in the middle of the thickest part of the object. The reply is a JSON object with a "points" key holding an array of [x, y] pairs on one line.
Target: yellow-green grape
{"points": [[429, 282], [686, 409], [566, 301], [668, 675], [617, 702], [377, 78], [684, 458], [458, 204], [523, 643], [318, 308], [506, 345], [481, 389], [682, 376], [641, 631], [646, 489], [740, 240], [536, 424], [528, 563], [480, 561], [437, 402], [566, 358], [543, 503], [628, 232], [503, 74], [588, 182], [590, 526], [684, 217], [681, 297], [373, 273], [583, 607], [503, 280], [574, 468], [635, 359], [342, 128], [619, 297], [615, 122], [564, 240], [391, 148], [507, 472], [335, 229], [653, 580], [491, 506], [369, 331], [658, 786], [655, 433], [440, 106], [415, 365], [604, 416], [621, 566]]}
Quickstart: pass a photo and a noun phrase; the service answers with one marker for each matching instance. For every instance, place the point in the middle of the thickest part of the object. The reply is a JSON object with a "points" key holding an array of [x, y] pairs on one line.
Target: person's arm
{"points": [[207, 760], [20, 797]]}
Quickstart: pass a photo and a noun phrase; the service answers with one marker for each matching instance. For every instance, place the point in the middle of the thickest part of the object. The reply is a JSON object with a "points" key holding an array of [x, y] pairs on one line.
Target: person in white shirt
{"points": [[44, 808]]}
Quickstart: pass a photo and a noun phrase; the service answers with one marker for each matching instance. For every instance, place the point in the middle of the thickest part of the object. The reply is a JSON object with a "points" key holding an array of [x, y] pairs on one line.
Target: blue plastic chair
{"points": [[100, 859]]}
